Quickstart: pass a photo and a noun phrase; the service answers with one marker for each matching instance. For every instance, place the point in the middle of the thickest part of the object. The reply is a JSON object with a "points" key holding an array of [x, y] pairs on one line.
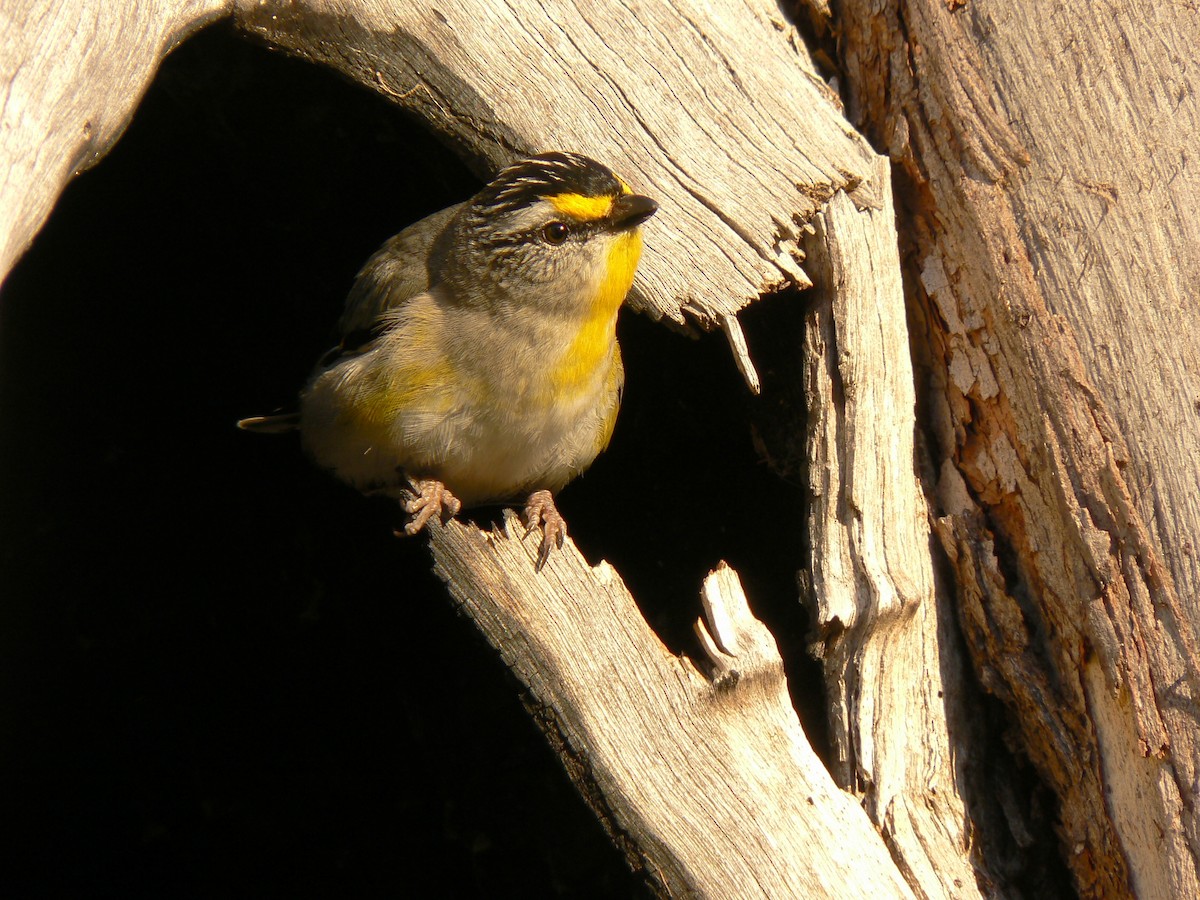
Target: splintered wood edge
{"points": [[885, 654], [706, 783]]}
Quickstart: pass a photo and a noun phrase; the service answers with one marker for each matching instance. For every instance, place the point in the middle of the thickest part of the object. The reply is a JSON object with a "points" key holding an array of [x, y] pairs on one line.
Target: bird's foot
{"points": [[426, 499], [540, 509]]}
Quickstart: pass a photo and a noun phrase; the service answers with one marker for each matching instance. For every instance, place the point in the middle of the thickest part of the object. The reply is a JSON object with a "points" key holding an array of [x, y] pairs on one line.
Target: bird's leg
{"points": [[540, 508], [428, 498]]}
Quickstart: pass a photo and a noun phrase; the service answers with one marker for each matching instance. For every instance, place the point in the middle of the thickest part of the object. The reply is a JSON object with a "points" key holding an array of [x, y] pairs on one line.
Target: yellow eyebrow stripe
{"points": [[585, 209]]}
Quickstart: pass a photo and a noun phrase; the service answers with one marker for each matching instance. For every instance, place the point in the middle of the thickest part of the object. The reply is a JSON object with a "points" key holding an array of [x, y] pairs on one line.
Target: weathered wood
{"points": [[1052, 188], [71, 75], [886, 643], [710, 786]]}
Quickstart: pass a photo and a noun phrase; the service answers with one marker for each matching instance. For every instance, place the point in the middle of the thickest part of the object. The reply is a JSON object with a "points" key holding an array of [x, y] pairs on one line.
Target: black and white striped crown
{"points": [[547, 175]]}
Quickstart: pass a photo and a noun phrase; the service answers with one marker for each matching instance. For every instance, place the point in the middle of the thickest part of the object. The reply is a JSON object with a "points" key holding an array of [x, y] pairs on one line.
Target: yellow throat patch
{"points": [[591, 346]]}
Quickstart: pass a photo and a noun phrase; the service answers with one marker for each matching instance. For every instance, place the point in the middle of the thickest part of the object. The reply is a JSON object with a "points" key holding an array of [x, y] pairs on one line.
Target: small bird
{"points": [[478, 358]]}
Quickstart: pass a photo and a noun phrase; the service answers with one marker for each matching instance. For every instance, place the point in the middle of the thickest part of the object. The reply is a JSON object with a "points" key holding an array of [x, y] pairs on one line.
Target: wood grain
{"points": [[71, 76], [892, 668], [707, 783]]}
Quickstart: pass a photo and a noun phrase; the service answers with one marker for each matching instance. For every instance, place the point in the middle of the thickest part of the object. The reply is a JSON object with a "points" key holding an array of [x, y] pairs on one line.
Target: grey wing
{"points": [[403, 267]]}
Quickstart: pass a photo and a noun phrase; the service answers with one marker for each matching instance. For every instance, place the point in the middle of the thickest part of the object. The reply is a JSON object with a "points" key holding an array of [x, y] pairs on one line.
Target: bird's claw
{"points": [[540, 509], [428, 498]]}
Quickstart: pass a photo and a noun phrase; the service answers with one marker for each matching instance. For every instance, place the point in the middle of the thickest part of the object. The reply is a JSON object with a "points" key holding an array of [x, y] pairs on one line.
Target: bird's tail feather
{"points": [[271, 424]]}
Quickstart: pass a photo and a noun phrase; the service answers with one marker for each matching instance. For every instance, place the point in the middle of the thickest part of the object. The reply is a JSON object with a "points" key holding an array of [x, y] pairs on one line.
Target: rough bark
{"points": [[1050, 189]]}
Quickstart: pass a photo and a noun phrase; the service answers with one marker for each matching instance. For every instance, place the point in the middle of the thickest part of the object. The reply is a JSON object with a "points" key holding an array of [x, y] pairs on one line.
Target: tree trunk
{"points": [[1047, 183], [1045, 196]]}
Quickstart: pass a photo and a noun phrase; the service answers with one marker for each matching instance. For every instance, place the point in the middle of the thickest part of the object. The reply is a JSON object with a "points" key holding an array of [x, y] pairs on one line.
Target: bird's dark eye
{"points": [[556, 232]]}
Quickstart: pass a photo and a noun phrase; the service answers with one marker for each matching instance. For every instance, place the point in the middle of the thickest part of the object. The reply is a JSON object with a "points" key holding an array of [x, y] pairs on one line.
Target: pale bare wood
{"points": [[710, 786], [1054, 230], [885, 639], [71, 75], [1106, 210]]}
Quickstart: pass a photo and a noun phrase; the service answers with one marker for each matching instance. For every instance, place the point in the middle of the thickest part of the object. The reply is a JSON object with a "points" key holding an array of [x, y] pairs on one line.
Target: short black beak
{"points": [[631, 210]]}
